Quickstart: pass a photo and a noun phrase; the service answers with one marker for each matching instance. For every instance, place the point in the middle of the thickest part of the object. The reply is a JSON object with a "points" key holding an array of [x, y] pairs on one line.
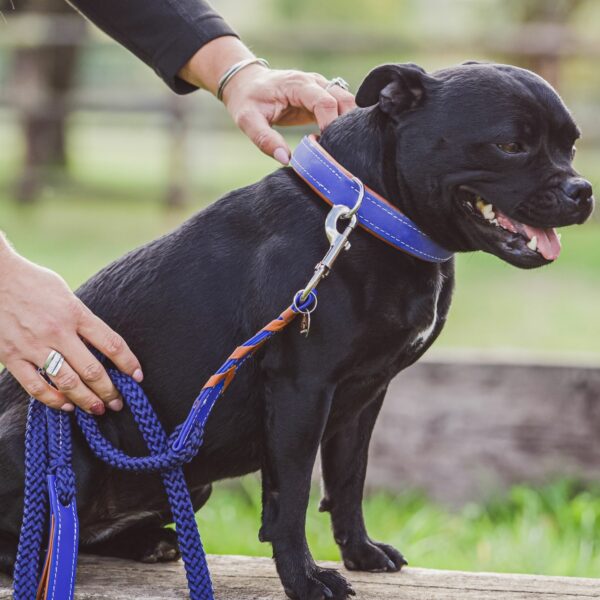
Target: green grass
{"points": [[552, 531]]}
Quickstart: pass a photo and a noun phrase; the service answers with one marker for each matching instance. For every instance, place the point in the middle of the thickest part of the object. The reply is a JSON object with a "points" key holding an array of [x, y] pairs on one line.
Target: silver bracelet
{"points": [[235, 69]]}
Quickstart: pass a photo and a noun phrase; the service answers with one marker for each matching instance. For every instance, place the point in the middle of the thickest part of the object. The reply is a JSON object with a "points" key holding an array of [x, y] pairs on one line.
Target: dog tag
{"points": [[305, 324]]}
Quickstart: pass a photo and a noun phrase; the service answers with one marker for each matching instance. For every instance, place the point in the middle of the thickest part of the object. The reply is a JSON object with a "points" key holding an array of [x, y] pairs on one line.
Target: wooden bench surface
{"points": [[246, 578]]}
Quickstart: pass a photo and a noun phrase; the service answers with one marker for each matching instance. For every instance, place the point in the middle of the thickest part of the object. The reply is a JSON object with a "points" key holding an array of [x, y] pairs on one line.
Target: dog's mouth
{"points": [[513, 234]]}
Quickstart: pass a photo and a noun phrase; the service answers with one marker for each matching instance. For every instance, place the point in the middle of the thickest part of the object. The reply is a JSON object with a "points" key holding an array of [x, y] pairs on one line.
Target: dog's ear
{"points": [[394, 88]]}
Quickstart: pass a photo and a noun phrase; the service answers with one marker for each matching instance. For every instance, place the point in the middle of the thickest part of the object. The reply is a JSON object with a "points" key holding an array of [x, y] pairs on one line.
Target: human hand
{"points": [[38, 314], [258, 98]]}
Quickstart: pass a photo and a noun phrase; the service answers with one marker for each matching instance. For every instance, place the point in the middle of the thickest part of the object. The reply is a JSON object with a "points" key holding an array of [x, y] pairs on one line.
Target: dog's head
{"points": [[482, 155]]}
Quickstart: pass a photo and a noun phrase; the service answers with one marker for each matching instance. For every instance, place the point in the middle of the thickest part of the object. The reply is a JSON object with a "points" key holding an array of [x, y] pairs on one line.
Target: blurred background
{"points": [[98, 156]]}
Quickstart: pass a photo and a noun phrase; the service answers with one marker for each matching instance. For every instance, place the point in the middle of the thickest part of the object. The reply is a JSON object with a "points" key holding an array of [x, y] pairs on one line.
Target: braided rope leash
{"points": [[49, 474]]}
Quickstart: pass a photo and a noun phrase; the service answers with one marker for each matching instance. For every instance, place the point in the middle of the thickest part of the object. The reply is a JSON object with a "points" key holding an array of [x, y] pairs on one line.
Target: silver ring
{"points": [[310, 310], [339, 82], [53, 363]]}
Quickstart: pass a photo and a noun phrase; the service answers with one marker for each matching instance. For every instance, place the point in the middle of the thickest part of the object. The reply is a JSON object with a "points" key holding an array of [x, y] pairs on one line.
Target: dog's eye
{"points": [[511, 147]]}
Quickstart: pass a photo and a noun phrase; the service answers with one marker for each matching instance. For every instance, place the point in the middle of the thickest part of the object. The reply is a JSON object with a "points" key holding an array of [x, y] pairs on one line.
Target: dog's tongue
{"points": [[548, 244]]}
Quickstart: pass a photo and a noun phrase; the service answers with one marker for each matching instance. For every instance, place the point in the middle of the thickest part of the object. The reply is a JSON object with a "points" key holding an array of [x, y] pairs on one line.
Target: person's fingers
{"points": [[320, 79], [256, 126], [110, 343], [70, 384], [91, 372], [37, 387], [344, 99], [320, 103]]}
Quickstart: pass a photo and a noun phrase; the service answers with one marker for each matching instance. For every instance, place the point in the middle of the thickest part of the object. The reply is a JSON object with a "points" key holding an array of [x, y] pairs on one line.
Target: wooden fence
{"points": [[463, 428], [44, 109]]}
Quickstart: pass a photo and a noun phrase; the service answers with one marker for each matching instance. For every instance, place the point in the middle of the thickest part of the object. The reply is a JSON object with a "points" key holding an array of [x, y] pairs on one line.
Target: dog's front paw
{"points": [[318, 584], [372, 556]]}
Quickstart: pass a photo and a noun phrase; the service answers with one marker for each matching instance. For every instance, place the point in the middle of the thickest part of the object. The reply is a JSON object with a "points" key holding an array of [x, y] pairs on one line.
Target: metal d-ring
{"points": [[307, 306], [361, 195], [341, 211]]}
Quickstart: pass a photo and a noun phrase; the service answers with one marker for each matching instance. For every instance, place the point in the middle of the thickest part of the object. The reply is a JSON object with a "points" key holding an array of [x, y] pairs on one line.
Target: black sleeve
{"points": [[165, 34]]}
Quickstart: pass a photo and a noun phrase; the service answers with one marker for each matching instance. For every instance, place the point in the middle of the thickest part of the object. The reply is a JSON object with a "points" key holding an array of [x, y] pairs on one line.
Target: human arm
{"points": [[164, 34]]}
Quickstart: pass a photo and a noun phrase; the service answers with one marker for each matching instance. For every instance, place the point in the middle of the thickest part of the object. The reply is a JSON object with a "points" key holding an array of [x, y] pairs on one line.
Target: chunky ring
{"points": [[53, 363], [339, 82]]}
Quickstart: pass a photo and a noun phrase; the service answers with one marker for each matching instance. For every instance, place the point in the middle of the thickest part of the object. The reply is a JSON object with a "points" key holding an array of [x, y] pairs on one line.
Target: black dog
{"points": [[443, 147]]}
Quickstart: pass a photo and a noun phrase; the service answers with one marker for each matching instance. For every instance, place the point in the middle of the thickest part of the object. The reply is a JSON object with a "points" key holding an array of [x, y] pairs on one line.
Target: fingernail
{"points": [[282, 156], [115, 404], [97, 408], [67, 407], [138, 375]]}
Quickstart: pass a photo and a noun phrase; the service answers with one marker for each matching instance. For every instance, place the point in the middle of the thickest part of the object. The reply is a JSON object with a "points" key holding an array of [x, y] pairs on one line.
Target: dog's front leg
{"points": [[296, 414], [344, 457]]}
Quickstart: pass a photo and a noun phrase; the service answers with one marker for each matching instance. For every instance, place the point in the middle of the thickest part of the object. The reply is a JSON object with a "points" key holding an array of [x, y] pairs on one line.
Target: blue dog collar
{"points": [[334, 184]]}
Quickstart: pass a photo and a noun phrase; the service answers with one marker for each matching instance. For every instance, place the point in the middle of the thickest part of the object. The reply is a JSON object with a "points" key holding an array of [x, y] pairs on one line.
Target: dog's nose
{"points": [[580, 191]]}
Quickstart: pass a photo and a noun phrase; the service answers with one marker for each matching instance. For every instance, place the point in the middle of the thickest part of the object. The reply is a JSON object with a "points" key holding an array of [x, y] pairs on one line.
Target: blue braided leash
{"points": [[45, 455], [49, 477]]}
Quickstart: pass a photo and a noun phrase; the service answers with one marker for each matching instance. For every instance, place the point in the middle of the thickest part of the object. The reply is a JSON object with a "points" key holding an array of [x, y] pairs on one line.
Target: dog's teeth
{"points": [[495, 222], [488, 212], [532, 244], [559, 236]]}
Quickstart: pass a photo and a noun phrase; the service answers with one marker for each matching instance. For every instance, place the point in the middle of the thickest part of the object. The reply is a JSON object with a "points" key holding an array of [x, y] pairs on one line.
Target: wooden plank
{"points": [[245, 578], [466, 429]]}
